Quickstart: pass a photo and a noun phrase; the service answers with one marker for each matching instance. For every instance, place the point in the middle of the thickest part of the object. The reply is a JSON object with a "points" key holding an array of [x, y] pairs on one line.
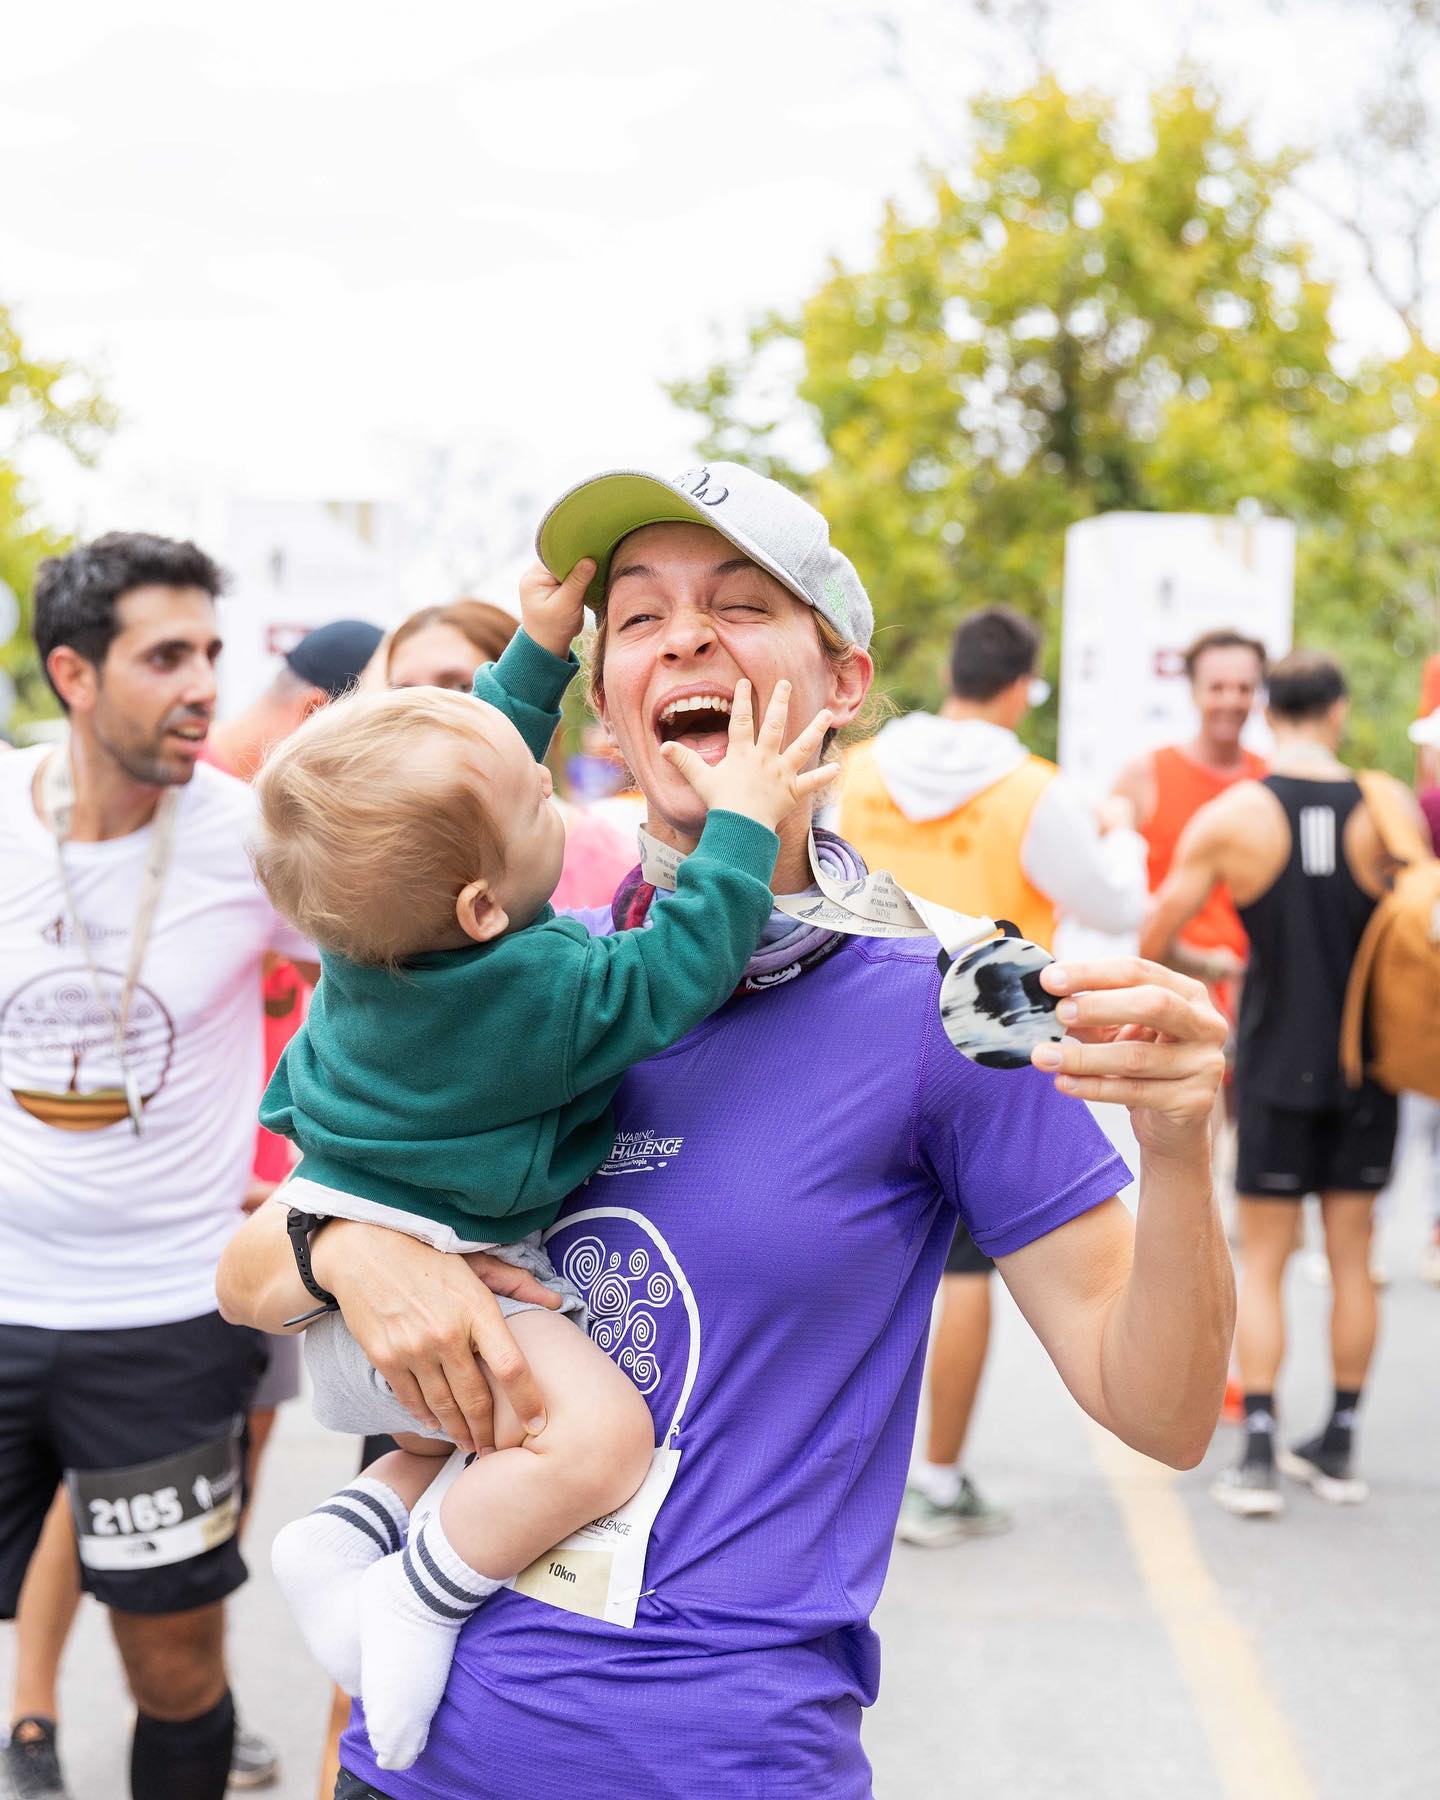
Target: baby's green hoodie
{"points": [[473, 1087]]}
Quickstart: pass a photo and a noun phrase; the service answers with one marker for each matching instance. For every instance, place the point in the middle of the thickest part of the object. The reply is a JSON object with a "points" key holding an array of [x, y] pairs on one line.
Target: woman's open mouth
{"points": [[699, 721]]}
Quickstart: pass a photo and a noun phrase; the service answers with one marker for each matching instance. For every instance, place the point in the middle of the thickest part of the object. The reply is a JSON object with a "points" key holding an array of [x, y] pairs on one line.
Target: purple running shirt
{"points": [[761, 1253]]}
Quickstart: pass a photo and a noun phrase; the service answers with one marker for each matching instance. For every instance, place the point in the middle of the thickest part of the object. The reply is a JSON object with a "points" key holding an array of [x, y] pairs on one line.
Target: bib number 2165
{"points": [[158, 1512]]}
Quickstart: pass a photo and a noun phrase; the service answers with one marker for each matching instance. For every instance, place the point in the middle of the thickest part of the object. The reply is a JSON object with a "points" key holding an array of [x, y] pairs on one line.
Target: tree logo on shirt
{"points": [[623, 1295], [57, 1049], [643, 1310]]}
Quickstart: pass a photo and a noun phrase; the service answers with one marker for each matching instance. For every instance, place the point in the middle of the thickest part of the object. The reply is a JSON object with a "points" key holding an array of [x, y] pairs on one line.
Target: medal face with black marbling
{"points": [[992, 1005]]}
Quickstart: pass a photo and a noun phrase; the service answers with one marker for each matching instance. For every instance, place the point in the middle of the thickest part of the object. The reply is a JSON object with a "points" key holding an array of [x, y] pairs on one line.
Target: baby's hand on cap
{"points": [[553, 612]]}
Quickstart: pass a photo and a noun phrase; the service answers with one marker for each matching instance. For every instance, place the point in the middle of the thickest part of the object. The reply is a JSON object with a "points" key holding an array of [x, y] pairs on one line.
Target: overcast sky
{"points": [[306, 245]]}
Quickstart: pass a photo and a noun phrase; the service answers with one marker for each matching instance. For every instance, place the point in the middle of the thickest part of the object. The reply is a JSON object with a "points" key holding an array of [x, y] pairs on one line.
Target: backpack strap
{"points": [[1399, 834], [1352, 1016], [1402, 842]]}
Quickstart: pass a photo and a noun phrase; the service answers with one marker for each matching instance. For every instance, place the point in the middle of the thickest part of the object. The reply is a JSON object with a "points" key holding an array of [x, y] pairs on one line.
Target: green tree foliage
{"points": [[1077, 324], [38, 399]]}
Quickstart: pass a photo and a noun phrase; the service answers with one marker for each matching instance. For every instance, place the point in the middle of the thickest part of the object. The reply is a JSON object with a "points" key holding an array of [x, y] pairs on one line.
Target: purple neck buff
{"points": [[787, 947]]}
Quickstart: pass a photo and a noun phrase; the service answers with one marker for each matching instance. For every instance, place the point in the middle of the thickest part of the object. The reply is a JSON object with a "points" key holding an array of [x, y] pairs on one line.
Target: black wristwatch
{"points": [[302, 1226]]}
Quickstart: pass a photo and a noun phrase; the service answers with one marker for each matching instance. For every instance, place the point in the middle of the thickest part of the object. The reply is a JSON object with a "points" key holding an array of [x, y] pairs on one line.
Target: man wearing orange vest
{"points": [[1168, 787], [958, 811]]}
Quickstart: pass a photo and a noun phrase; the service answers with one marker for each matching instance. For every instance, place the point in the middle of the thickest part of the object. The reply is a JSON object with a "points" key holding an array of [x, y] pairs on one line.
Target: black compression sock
{"points": [[1336, 1438], [188, 1760], [1259, 1429]]}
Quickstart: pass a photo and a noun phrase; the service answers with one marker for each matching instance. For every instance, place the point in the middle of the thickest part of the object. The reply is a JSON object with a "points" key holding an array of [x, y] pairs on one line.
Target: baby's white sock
{"points": [[411, 1609], [318, 1561]]}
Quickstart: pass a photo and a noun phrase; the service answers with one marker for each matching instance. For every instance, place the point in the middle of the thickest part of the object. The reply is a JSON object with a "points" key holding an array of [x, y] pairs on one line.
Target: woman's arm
{"points": [[1138, 1318], [425, 1319]]}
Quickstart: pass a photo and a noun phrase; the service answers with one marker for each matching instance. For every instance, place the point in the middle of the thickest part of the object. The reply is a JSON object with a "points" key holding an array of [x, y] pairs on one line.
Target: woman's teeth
{"points": [[716, 703]]}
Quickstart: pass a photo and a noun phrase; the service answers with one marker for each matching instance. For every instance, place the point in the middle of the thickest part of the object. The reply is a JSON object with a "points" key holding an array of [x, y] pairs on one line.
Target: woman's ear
{"points": [[849, 684], [479, 914]]}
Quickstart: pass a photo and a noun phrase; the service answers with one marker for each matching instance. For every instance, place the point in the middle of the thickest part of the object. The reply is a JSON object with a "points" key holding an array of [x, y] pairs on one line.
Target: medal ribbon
{"points": [[851, 901], [865, 904], [57, 803]]}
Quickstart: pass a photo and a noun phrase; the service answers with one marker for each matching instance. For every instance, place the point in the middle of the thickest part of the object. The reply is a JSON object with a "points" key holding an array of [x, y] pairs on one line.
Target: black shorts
{"points": [[966, 1257], [351, 1787], [1285, 1154], [147, 1428]]}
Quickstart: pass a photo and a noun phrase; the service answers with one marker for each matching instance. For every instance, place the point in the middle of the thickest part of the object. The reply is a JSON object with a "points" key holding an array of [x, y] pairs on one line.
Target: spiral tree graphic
{"points": [[57, 1049], [623, 1302]]}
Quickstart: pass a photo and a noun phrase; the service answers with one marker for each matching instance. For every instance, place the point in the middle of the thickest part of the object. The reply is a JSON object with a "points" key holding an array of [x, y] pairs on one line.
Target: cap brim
{"points": [[597, 514]]}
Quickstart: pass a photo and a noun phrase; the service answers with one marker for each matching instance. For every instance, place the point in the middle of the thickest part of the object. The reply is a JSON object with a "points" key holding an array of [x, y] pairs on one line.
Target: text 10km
{"points": [[560, 1572]]}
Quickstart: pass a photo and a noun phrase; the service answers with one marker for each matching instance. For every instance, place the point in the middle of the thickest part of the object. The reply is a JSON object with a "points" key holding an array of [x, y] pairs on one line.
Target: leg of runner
{"points": [[30, 1479], [943, 1506], [175, 1665], [330, 1771], [957, 1361], [262, 1423], [1325, 1461], [49, 1601], [1426, 1114], [1267, 1237]]}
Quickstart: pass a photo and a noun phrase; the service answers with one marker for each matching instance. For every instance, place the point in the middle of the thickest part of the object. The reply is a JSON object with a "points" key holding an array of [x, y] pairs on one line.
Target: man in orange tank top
{"points": [[1168, 787], [958, 811]]}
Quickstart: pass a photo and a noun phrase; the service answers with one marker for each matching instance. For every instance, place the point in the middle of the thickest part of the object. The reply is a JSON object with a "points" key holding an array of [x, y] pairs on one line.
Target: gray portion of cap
{"points": [[784, 534]]}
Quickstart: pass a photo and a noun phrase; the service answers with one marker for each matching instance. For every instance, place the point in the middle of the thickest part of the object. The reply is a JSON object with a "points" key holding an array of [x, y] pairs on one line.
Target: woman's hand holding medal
{"points": [[1140, 1036]]}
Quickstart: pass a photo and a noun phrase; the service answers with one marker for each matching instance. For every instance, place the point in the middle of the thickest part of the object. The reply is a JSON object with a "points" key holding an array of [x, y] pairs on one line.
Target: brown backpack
{"points": [[1392, 998]]}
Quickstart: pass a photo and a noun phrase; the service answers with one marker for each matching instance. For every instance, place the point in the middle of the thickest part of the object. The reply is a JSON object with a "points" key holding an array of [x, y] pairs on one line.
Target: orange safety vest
{"points": [[970, 858], [1182, 787]]}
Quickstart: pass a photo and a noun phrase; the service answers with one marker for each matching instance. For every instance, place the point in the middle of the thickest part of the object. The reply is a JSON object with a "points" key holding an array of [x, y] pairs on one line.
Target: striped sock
{"points": [[318, 1562], [411, 1609]]}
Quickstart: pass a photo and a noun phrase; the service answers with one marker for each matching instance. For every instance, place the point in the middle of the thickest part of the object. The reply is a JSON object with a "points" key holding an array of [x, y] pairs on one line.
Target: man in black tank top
{"points": [[1305, 866]]}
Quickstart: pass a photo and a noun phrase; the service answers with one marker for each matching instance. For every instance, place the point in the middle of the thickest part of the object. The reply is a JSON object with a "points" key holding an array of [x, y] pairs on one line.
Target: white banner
{"points": [[1139, 588]]}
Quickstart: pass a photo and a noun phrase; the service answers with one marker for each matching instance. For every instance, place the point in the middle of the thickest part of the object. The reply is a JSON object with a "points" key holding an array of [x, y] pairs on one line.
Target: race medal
{"points": [[992, 1005]]}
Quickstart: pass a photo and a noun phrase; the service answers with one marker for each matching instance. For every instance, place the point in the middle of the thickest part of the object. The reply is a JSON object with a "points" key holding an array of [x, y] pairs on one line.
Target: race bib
{"points": [[598, 1570], [158, 1512]]}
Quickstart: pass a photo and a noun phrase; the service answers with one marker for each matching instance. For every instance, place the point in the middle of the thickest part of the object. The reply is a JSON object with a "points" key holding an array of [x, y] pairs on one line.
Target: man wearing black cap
{"points": [[322, 666]]}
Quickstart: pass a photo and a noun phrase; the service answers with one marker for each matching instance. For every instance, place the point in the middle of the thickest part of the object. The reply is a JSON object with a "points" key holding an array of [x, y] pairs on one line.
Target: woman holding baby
{"points": [[760, 1250]]}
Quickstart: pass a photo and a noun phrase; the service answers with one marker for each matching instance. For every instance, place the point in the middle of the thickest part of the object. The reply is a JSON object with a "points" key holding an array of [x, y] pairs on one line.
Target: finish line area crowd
{"points": [[630, 1219]]}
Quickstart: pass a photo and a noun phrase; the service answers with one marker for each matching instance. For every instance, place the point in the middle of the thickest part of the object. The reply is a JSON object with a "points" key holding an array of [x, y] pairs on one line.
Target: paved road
{"points": [[1126, 1640]]}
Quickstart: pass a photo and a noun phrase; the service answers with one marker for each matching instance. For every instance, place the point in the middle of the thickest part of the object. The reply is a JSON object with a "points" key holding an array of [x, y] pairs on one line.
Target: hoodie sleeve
{"points": [[1097, 881]]}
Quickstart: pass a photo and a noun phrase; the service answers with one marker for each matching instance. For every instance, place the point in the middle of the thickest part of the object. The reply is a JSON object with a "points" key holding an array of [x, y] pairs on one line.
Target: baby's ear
{"points": [[479, 914]]}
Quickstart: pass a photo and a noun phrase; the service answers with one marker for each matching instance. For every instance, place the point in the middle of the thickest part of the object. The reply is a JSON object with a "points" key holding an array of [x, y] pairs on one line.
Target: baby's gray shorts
{"points": [[350, 1395]]}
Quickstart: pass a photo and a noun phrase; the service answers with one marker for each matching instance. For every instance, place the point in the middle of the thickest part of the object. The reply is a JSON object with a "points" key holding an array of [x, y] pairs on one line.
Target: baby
{"points": [[454, 1080]]}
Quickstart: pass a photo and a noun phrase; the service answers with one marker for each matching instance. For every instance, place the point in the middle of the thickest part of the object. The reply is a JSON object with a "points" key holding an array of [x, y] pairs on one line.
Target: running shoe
{"points": [[254, 1762], [31, 1762], [1249, 1490], [968, 1515], [1327, 1473]]}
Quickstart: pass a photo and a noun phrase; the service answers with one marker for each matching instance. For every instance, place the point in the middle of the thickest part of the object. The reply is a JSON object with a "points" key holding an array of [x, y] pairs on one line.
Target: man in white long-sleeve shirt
{"points": [[958, 810]]}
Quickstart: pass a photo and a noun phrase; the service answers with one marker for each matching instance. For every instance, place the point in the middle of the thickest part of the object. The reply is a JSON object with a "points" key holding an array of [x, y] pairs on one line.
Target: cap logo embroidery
{"points": [[835, 596], [696, 483]]}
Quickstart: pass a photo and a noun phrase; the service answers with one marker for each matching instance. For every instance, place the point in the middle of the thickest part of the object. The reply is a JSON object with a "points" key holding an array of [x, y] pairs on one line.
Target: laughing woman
{"points": [[761, 1250]]}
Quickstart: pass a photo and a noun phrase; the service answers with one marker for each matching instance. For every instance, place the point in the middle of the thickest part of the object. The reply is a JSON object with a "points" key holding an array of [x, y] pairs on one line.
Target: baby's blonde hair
{"points": [[369, 828]]}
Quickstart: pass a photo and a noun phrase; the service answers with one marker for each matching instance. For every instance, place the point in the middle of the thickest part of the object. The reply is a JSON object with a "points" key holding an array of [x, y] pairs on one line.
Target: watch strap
{"points": [[301, 1227]]}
